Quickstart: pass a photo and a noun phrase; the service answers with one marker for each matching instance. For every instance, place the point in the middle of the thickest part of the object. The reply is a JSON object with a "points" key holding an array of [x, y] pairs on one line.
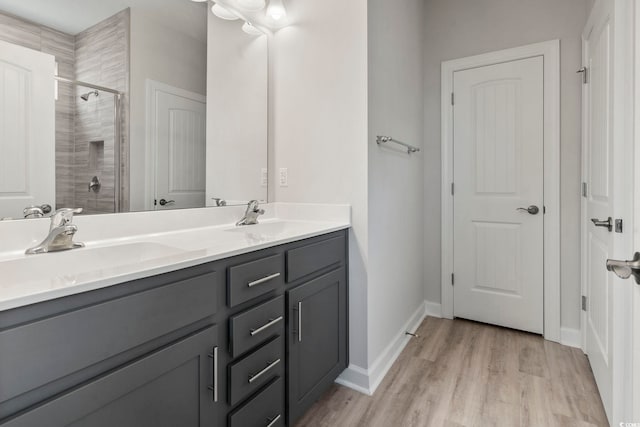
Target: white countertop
{"points": [[111, 258]]}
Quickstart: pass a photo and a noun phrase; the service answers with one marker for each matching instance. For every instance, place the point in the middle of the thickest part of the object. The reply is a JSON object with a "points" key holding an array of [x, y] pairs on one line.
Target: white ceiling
{"points": [[75, 16]]}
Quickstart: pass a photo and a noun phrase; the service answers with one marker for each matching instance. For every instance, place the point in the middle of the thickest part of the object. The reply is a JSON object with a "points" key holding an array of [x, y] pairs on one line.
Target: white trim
{"points": [[433, 309], [550, 50], [623, 105], [355, 378], [367, 380], [152, 87], [623, 136], [571, 337], [635, 321]]}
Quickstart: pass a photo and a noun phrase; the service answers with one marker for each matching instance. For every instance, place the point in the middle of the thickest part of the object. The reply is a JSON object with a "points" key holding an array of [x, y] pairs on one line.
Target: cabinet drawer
{"points": [[264, 410], [40, 352], [252, 279], [256, 325], [311, 258], [254, 371]]}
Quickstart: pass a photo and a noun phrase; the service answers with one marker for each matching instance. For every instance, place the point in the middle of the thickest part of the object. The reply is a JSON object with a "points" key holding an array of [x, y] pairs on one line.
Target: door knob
{"points": [[599, 223], [164, 202], [624, 269], [531, 210]]}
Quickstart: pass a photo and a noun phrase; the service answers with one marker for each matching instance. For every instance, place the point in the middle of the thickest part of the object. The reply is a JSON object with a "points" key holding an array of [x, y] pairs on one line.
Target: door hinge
{"points": [[453, 99], [585, 74], [584, 190], [584, 303], [453, 279], [453, 188]]}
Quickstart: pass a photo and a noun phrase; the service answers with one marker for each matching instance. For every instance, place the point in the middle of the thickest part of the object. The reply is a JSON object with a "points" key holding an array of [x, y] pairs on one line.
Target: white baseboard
{"points": [[433, 309], [367, 380], [355, 378], [571, 337]]}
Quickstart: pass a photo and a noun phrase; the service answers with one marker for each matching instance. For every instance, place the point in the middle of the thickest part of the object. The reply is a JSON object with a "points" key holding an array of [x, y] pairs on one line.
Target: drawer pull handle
{"points": [[300, 321], [255, 377], [263, 280], [273, 421], [272, 322], [214, 388]]}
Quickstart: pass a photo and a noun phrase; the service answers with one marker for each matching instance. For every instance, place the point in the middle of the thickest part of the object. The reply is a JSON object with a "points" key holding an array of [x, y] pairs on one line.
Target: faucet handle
{"points": [[63, 216], [252, 206]]}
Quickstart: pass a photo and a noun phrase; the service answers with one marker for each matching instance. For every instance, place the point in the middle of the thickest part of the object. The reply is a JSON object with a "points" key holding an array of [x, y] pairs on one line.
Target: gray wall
{"points": [[396, 192], [460, 28]]}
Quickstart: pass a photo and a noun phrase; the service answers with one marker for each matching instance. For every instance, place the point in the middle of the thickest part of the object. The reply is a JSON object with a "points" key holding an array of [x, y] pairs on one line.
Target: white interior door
{"points": [[27, 129], [635, 320], [598, 174], [498, 133], [179, 129]]}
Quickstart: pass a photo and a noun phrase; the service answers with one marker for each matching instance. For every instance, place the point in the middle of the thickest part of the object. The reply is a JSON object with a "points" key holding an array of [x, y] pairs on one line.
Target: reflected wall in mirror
{"points": [[129, 105]]}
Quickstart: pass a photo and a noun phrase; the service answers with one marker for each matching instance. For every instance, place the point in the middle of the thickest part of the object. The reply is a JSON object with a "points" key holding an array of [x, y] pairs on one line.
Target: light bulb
{"points": [[251, 30], [276, 10], [223, 13], [252, 5]]}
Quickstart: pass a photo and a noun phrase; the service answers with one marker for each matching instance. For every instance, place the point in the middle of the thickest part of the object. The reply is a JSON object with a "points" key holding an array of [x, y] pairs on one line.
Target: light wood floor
{"points": [[461, 373]]}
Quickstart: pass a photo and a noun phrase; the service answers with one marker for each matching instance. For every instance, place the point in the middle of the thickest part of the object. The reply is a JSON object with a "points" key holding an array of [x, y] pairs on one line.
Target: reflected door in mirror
{"points": [[27, 129], [179, 129]]}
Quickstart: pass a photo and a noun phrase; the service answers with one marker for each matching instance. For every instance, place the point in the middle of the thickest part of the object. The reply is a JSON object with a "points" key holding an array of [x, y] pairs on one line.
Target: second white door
{"points": [[180, 158], [499, 194]]}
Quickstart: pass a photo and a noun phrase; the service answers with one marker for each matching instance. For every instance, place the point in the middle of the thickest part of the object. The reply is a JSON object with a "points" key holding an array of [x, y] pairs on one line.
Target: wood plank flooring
{"points": [[462, 373]]}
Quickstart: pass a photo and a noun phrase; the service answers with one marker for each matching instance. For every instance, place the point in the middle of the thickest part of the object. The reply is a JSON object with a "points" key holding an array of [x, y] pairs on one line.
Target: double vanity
{"points": [[208, 324]]}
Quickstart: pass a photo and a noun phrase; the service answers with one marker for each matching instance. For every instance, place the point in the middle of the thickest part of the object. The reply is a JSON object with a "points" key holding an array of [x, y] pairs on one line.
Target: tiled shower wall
{"points": [[98, 55], [101, 58], [61, 45]]}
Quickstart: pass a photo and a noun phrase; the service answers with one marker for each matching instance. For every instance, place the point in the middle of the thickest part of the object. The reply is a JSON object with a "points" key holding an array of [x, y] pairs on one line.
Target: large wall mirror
{"points": [[129, 105]]}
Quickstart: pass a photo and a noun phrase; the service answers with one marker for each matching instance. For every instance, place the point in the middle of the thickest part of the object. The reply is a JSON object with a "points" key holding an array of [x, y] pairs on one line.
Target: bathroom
{"points": [[338, 119]]}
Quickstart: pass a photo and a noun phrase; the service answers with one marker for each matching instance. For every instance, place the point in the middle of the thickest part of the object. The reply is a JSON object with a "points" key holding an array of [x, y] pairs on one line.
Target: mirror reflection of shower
{"points": [[85, 97], [88, 146]]}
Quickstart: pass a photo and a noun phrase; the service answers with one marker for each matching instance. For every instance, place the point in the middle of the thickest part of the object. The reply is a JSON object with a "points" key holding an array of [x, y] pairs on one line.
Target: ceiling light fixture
{"points": [[276, 10], [199, 1], [252, 5], [223, 13], [251, 30]]}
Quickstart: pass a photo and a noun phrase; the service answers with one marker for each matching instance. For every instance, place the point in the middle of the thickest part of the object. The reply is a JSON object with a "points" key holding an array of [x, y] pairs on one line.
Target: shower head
{"points": [[85, 97]]}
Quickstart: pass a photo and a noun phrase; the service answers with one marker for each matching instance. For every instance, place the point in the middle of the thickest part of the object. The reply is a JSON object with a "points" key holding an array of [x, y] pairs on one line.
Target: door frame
{"points": [[624, 73], [634, 412], [624, 124], [550, 51], [151, 149]]}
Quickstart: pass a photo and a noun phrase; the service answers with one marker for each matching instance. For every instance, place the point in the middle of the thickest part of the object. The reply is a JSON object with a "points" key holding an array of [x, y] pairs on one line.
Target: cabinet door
{"points": [[174, 386], [317, 339]]}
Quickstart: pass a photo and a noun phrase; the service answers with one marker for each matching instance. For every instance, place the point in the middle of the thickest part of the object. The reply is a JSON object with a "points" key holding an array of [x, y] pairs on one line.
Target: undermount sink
{"points": [[69, 265], [275, 228]]}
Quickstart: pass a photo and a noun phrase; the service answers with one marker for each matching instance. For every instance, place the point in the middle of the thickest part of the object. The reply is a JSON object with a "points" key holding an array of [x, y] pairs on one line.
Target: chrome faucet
{"points": [[36, 211], [61, 233], [251, 215]]}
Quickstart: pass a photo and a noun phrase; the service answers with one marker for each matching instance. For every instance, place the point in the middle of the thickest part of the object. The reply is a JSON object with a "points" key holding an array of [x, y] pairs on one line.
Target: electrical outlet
{"points": [[264, 177], [284, 177]]}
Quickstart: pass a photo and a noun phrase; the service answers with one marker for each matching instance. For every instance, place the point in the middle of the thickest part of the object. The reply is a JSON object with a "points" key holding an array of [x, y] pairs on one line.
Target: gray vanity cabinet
{"points": [[173, 386], [317, 339], [250, 340]]}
